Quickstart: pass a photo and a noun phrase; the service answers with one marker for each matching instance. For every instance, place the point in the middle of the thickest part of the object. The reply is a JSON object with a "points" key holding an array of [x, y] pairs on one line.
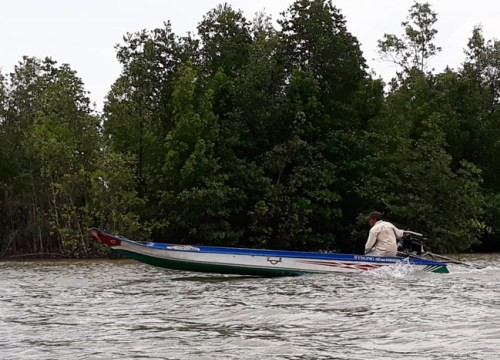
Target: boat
{"points": [[255, 262]]}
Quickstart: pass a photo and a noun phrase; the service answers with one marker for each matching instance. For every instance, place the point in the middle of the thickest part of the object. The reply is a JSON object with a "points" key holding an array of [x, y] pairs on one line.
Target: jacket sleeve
{"points": [[372, 239], [399, 233]]}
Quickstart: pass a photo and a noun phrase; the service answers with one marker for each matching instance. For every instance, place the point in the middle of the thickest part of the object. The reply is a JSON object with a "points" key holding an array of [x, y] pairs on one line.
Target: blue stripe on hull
{"points": [[284, 254]]}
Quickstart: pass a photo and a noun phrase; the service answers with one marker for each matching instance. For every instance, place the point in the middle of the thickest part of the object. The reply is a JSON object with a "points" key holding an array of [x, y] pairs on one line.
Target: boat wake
{"points": [[476, 269], [397, 270]]}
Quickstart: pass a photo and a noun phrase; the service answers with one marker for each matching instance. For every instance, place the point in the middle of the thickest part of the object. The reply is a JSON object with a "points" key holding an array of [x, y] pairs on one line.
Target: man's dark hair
{"points": [[377, 215]]}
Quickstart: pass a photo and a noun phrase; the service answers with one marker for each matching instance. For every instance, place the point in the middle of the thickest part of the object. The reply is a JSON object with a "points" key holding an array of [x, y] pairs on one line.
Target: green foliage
{"points": [[245, 135], [416, 186], [491, 238], [54, 147], [417, 181], [137, 111], [225, 39], [195, 196], [315, 39], [480, 124], [413, 49]]}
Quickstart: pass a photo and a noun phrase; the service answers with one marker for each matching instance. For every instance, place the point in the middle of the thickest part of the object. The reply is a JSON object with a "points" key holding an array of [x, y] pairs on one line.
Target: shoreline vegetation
{"points": [[241, 134]]}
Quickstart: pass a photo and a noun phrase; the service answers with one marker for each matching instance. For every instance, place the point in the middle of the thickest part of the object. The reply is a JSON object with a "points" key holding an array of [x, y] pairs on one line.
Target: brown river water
{"points": [[127, 310]]}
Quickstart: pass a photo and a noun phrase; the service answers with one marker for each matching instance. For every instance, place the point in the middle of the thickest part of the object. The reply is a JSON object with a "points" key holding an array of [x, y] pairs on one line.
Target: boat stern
{"points": [[440, 269]]}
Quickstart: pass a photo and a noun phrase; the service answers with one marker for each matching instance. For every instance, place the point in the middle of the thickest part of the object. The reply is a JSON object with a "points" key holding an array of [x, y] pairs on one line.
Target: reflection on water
{"points": [[126, 310]]}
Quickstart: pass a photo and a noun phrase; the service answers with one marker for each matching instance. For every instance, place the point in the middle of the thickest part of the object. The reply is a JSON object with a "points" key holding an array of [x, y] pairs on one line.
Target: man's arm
{"points": [[399, 233], [372, 239]]}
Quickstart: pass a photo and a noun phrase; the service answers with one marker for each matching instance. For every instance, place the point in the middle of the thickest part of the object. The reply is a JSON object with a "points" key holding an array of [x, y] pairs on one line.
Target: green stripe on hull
{"points": [[208, 268], [441, 270]]}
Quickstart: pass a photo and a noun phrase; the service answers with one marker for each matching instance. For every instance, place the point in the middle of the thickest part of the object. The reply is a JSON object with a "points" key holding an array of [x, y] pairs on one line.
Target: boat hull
{"points": [[256, 262], [203, 267]]}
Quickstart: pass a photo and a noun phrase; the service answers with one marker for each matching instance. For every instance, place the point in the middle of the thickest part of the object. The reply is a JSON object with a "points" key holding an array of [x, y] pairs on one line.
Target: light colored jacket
{"points": [[382, 239]]}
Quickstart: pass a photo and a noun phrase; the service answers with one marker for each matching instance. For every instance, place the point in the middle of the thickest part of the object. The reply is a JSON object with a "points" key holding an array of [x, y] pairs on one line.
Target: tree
{"points": [[415, 184], [414, 48], [50, 197], [4, 150], [421, 176], [53, 133], [224, 52], [315, 39], [479, 125], [225, 38], [137, 112], [483, 63], [195, 197], [317, 44], [481, 104], [414, 178], [138, 115]]}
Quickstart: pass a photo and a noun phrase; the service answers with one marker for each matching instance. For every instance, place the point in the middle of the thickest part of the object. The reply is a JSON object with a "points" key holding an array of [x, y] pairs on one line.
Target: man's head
{"points": [[373, 217]]}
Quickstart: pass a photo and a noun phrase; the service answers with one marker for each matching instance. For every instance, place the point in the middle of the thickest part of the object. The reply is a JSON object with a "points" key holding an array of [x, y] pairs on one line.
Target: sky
{"points": [[83, 33]]}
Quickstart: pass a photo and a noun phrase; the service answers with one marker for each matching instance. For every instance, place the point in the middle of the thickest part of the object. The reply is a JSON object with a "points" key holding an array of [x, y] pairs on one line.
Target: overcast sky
{"points": [[83, 33]]}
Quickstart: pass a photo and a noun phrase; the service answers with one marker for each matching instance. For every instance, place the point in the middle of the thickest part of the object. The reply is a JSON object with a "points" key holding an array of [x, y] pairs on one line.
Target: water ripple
{"points": [[126, 310]]}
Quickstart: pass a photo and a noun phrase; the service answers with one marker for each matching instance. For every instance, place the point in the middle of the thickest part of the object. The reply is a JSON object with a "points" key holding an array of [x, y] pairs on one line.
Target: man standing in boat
{"points": [[383, 236]]}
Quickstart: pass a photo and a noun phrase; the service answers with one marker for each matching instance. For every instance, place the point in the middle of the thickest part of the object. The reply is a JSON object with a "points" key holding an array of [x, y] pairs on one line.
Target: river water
{"points": [[127, 310]]}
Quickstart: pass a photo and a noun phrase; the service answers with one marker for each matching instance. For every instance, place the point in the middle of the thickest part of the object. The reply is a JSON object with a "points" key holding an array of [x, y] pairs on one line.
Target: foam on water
{"points": [[404, 268], [396, 270]]}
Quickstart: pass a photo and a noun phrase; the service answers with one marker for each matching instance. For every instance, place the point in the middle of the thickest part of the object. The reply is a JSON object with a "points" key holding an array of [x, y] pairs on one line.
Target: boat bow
{"points": [[105, 238]]}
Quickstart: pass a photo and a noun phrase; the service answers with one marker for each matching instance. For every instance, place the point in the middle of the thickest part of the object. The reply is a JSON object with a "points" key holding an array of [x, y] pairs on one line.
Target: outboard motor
{"points": [[412, 243]]}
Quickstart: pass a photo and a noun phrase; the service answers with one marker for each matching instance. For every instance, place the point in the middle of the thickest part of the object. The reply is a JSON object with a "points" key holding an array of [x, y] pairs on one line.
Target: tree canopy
{"points": [[243, 134]]}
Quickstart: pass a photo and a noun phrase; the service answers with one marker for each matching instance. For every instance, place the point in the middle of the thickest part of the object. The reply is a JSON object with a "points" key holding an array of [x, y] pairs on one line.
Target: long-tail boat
{"points": [[256, 262]]}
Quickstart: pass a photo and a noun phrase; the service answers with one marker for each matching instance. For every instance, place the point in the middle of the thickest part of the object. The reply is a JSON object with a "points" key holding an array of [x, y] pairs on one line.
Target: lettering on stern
{"points": [[375, 258]]}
